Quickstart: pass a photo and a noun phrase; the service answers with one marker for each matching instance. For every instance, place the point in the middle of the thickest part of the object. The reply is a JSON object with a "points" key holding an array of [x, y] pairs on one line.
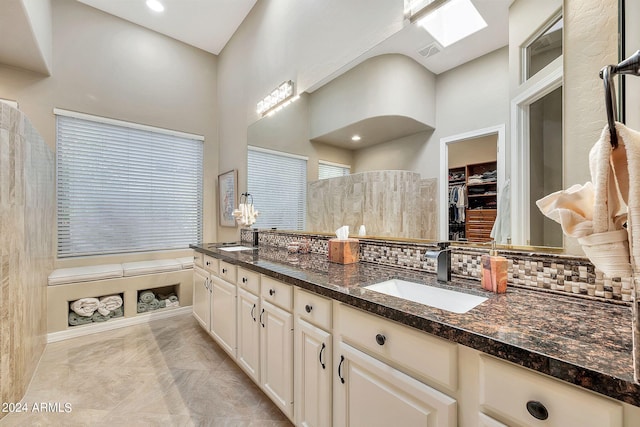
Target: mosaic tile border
{"points": [[552, 273]]}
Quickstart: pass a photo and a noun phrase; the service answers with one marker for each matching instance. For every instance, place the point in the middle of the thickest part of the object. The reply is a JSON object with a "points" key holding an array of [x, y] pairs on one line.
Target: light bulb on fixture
{"points": [[356, 138], [155, 5], [279, 97]]}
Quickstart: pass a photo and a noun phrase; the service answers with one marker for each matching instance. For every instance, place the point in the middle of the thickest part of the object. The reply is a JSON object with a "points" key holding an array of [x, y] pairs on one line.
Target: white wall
{"points": [[476, 150], [472, 96], [399, 154], [39, 13], [391, 84], [109, 67]]}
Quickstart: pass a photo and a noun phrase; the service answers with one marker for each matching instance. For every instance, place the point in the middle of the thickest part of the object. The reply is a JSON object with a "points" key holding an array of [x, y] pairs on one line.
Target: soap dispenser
{"points": [[494, 271]]}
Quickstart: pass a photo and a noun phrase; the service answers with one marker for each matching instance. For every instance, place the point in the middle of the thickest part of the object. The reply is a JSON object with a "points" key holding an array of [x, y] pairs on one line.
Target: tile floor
{"points": [[165, 373]]}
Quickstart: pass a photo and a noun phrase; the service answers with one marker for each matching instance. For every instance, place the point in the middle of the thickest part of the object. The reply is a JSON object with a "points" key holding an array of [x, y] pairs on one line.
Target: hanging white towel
{"points": [[596, 213], [501, 230]]}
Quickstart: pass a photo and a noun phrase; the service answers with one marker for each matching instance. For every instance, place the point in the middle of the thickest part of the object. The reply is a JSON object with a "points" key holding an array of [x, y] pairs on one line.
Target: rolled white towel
{"points": [[85, 306], [111, 302], [103, 310], [170, 303]]}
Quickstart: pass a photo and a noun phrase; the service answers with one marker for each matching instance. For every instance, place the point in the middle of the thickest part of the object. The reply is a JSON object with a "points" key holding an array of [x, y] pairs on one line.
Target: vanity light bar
{"points": [[280, 97]]}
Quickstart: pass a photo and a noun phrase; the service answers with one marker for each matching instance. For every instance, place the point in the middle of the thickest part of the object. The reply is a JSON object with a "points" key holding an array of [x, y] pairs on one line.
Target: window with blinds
{"points": [[278, 184], [332, 170], [123, 187]]}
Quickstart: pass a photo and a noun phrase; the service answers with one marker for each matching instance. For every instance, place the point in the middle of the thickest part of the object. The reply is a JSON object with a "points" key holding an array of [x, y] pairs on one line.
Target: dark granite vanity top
{"points": [[587, 343]]}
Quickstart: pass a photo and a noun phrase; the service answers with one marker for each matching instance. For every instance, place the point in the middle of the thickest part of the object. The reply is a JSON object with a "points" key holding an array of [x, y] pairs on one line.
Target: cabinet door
{"points": [[201, 298], [312, 375], [370, 393], [276, 356], [249, 333], [223, 314]]}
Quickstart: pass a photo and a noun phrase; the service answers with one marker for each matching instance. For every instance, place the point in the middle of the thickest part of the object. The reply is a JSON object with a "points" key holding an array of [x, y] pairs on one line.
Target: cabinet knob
{"points": [[224, 271], [272, 292], [537, 410], [381, 339], [208, 262], [245, 280], [308, 308]]}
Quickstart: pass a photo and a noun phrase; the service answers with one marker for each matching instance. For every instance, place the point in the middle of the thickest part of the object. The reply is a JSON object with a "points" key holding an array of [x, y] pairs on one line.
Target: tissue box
{"points": [[344, 251]]}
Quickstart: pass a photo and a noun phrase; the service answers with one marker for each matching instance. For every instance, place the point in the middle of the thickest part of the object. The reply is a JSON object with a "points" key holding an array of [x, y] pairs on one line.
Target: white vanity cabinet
{"points": [[313, 358], [372, 386], [223, 314], [276, 343], [248, 311], [354, 368], [205, 267], [223, 306], [201, 297]]}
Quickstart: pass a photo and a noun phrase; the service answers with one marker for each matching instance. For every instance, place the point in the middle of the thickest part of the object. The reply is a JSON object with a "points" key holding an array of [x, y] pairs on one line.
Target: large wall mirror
{"points": [[485, 112]]}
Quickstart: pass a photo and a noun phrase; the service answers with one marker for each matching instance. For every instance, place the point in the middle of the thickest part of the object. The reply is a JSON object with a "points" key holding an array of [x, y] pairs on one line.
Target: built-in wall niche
{"points": [[157, 299], [99, 309]]}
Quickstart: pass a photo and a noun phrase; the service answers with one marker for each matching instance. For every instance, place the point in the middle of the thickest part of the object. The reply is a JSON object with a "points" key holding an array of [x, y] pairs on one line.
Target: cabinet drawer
{"points": [[198, 259], [211, 264], [421, 354], [506, 389], [276, 292], [486, 421], [227, 271], [313, 308], [249, 280], [481, 214], [480, 227]]}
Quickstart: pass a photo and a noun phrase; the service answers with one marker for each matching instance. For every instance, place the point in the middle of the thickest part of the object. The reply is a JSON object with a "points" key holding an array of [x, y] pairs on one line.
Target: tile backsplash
{"points": [[544, 272]]}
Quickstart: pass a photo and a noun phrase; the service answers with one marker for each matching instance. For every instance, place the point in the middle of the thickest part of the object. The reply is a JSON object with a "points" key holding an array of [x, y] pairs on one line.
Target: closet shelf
{"points": [[482, 195], [483, 183]]}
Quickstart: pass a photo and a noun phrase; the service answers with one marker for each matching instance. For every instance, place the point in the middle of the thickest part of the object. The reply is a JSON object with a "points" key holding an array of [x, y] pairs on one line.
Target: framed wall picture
{"points": [[227, 197]]}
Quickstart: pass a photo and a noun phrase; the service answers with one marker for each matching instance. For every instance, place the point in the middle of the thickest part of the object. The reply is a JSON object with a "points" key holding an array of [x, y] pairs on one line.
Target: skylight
{"points": [[453, 21], [155, 5]]}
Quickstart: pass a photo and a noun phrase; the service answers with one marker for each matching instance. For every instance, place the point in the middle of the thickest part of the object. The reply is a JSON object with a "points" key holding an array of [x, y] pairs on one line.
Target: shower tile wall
{"points": [[388, 203], [27, 230]]}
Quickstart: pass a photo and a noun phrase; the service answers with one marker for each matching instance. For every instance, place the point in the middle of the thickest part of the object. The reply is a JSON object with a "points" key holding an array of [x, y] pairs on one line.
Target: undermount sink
{"points": [[236, 248], [445, 299]]}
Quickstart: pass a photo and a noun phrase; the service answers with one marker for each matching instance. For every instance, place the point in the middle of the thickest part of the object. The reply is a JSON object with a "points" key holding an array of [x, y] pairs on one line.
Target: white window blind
{"points": [[125, 188], [278, 184], [332, 170]]}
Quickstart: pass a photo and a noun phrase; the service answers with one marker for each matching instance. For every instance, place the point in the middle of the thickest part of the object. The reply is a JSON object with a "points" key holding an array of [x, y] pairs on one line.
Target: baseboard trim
{"points": [[79, 331]]}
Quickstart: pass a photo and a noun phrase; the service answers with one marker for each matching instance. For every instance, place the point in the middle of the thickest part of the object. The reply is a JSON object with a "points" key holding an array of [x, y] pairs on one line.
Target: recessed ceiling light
{"points": [[453, 21], [356, 138], [155, 5]]}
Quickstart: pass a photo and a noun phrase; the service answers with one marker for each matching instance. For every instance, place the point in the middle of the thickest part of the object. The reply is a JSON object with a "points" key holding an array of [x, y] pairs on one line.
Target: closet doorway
{"points": [[471, 176]]}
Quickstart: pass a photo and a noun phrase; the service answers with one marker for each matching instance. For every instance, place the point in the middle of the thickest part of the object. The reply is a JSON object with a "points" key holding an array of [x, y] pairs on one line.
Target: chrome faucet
{"points": [[443, 261]]}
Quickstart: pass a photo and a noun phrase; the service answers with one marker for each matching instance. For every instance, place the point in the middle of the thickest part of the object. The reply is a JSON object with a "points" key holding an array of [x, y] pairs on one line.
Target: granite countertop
{"points": [[583, 342]]}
